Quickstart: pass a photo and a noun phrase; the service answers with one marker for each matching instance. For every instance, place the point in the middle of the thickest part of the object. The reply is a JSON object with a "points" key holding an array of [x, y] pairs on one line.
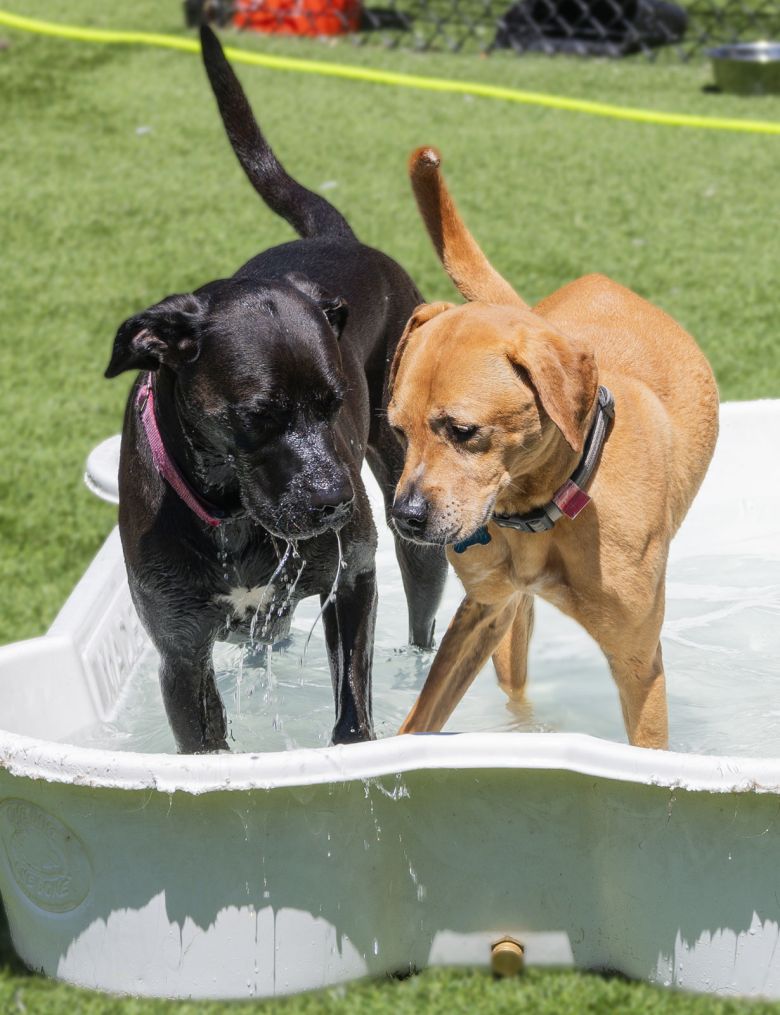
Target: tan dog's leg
{"points": [[642, 685], [634, 654], [511, 657], [633, 650], [473, 634]]}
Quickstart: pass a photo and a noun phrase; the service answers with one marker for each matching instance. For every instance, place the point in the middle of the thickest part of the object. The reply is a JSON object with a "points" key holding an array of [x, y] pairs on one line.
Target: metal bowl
{"points": [[748, 68]]}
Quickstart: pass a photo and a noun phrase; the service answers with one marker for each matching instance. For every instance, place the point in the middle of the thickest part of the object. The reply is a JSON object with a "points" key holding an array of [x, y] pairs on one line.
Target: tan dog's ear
{"points": [[472, 273], [425, 312], [564, 375]]}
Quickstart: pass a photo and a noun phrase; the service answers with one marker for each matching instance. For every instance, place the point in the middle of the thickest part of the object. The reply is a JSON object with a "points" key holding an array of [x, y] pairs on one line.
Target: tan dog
{"points": [[494, 402]]}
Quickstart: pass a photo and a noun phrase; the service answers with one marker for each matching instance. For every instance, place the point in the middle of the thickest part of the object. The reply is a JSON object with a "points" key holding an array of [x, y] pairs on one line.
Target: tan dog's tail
{"points": [[472, 273]]}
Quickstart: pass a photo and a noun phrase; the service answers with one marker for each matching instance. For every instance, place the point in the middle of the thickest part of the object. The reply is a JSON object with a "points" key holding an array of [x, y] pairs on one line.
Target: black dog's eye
{"points": [[255, 419], [259, 420], [325, 404], [461, 433], [332, 405]]}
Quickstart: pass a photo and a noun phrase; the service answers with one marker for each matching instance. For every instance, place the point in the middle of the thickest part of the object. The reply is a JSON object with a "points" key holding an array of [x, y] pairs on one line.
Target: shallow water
{"points": [[721, 645]]}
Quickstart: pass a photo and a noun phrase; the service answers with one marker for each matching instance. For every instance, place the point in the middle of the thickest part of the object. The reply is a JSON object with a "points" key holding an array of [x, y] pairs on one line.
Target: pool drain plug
{"points": [[507, 957]]}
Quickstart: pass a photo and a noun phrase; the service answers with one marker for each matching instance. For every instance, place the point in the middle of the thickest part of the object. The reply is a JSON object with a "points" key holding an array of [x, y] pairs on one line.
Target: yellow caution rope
{"points": [[397, 80]]}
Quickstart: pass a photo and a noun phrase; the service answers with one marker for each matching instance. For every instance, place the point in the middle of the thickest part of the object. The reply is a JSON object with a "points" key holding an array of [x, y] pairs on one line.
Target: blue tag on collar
{"points": [[481, 537]]}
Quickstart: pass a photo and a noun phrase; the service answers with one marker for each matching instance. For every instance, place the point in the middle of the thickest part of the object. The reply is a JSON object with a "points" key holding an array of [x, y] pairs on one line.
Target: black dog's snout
{"points": [[410, 514], [334, 499]]}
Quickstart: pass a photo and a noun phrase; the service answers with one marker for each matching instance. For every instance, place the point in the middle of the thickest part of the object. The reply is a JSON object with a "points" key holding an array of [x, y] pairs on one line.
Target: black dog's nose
{"points": [[333, 499], [410, 514]]}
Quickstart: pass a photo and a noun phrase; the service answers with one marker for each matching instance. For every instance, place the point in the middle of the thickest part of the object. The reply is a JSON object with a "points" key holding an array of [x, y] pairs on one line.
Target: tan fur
{"points": [[465, 263], [528, 380]]}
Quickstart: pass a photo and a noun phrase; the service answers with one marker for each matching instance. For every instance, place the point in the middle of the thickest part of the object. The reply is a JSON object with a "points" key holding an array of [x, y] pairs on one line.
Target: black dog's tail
{"points": [[309, 214]]}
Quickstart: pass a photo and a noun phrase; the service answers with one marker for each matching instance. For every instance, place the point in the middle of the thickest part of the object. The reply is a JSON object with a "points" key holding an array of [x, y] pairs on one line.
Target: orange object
{"points": [[298, 17]]}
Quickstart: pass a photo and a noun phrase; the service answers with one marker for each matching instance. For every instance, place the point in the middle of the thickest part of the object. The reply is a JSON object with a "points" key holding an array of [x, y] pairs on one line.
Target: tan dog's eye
{"points": [[461, 433]]}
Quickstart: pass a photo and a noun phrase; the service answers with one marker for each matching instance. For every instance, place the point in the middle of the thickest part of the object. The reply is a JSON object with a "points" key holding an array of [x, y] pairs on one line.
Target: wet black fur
{"points": [[270, 389]]}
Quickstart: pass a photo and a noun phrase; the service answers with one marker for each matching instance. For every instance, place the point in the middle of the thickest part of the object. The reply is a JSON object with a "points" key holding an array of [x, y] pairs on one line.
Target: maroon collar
{"points": [[163, 462], [572, 497]]}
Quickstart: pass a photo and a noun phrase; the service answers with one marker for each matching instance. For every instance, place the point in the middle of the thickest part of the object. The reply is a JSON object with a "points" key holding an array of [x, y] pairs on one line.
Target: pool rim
{"points": [[581, 753]]}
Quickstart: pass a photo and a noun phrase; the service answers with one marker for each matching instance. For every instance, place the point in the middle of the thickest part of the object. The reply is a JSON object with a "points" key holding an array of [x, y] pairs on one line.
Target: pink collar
{"points": [[163, 462]]}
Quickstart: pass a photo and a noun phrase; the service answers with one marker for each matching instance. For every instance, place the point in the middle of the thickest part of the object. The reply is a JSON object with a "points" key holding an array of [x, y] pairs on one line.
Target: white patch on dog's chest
{"points": [[242, 600]]}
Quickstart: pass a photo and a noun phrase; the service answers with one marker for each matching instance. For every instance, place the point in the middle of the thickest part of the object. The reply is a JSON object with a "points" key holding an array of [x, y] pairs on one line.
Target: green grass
{"points": [[436, 992], [99, 220]]}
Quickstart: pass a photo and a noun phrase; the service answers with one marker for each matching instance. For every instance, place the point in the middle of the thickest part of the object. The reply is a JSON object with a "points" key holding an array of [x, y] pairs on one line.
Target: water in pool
{"points": [[721, 645]]}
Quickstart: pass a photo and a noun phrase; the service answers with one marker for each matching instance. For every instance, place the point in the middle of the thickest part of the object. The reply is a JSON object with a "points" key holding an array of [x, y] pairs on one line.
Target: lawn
{"points": [[119, 187]]}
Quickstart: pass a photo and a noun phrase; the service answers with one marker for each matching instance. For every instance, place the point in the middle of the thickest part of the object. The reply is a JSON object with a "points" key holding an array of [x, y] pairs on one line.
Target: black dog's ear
{"points": [[334, 307], [169, 332]]}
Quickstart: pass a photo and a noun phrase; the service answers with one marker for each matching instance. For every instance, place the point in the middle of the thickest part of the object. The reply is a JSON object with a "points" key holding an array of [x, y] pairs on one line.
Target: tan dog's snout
{"points": [[410, 513], [434, 514], [440, 506]]}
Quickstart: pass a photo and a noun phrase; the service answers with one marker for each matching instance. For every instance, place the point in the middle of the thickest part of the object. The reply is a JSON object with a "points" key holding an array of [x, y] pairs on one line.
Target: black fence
{"points": [[612, 28]]}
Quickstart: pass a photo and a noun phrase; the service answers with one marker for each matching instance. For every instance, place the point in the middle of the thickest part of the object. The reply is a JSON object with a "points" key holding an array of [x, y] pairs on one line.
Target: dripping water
{"points": [[270, 584], [331, 597]]}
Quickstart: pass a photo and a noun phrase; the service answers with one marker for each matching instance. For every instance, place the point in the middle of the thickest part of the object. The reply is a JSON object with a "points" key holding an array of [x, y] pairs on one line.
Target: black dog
{"points": [[242, 446]]}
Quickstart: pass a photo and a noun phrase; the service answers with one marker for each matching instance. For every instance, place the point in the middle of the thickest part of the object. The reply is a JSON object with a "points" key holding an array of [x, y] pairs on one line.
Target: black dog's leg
{"points": [[424, 571], [349, 633], [214, 715], [423, 568], [192, 702]]}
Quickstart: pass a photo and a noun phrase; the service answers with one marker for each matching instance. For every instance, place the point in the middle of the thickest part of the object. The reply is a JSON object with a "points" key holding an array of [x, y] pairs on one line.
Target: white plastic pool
{"points": [[293, 865]]}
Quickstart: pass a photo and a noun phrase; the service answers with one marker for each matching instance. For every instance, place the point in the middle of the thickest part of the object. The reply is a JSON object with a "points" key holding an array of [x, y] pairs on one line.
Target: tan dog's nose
{"points": [[410, 514]]}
